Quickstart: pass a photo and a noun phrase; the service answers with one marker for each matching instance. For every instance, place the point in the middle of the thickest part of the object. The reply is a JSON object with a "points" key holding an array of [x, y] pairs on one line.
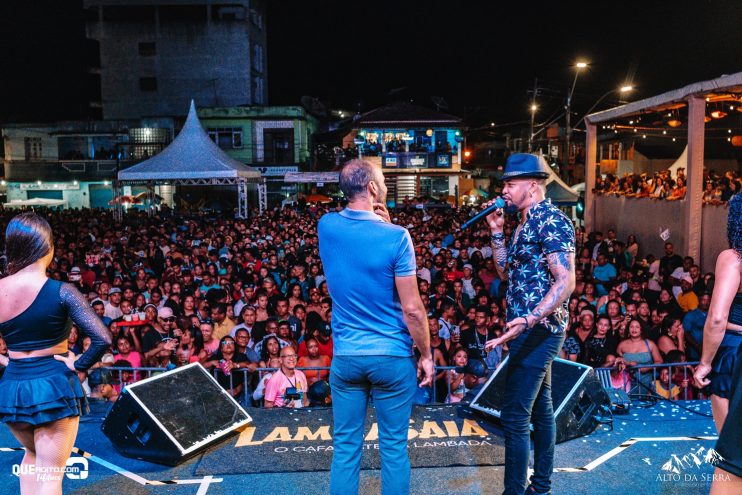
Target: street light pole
{"points": [[621, 90], [568, 116], [533, 114]]}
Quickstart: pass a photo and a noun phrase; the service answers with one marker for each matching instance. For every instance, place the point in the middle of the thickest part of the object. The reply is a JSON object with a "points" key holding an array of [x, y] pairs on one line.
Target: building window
{"points": [[228, 13], [148, 83], [147, 49], [256, 18], [33, 148], [257, 57], [278, 145], [436, 187], [258, 90], [226, 137]]}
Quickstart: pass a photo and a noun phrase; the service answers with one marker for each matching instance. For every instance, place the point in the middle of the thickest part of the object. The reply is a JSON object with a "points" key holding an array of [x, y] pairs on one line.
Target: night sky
{"points": [[481, 57]]}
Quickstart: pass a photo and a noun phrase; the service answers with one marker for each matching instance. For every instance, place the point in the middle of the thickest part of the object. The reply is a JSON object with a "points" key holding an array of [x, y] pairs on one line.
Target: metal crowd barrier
{"points": [[246, 394], [630, 381], [634, 378]]}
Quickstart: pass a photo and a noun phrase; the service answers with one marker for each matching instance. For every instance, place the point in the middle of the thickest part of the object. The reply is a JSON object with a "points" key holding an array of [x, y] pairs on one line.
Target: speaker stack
{"points": [[172, 416], [578, 396]]}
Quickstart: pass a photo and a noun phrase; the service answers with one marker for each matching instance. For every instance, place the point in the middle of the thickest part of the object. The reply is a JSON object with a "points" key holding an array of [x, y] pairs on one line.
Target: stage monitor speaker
{"points": [[172, 416], [578, 397]]}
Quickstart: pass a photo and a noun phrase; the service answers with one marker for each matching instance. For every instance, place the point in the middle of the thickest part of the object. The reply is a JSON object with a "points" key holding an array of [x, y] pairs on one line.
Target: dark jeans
{"points": [[392, 382], [528, 399]]}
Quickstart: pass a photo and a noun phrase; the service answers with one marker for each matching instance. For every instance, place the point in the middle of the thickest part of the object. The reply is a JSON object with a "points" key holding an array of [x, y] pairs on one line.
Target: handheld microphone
{"points": [[498, 204]]}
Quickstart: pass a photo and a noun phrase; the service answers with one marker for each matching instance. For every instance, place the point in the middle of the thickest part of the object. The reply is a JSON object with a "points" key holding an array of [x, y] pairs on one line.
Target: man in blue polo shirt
{"points": [[377, 314]]}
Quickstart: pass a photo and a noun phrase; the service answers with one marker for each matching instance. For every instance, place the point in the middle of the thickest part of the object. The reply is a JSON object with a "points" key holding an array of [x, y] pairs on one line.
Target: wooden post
{"points": [[694, 175], [590, 150]]}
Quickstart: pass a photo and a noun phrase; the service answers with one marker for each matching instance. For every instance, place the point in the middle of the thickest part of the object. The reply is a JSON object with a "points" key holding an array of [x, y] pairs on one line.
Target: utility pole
{"points": [[568, 129], [533, 114], [568, 112]]}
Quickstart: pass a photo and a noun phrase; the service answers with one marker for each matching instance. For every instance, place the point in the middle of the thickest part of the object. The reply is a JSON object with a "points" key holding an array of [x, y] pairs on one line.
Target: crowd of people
{"points": [[245, 296], [718, 188]]}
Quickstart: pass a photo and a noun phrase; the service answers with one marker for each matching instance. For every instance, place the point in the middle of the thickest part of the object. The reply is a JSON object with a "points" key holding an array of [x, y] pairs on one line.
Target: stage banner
{"points": [[301, 440]]}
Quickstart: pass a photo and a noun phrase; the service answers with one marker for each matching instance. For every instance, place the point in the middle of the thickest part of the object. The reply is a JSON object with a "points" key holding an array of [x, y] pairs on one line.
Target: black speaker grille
{"points": [[189, 405], [564, 376]]}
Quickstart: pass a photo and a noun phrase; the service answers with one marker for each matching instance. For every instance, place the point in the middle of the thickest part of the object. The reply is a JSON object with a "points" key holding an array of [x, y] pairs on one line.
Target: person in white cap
{"points": [[687, 299], [113, 305], [468, 281]]}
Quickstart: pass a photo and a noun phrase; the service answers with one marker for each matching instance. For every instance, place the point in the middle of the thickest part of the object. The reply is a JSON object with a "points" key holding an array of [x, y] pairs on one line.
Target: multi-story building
{"points": [[157, 55], [76, 161], [273, 140], [419, 149]]}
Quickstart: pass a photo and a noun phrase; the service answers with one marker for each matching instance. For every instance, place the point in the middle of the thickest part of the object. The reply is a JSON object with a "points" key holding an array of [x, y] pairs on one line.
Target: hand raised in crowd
{"points": [[380, 209]]}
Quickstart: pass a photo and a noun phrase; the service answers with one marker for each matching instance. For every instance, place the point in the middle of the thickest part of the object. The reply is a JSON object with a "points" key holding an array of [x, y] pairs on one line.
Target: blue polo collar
{"points": [[360, 215]]}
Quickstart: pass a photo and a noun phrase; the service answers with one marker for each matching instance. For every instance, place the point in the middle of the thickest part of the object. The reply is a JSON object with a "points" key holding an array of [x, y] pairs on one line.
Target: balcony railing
{"points": [[67, 170], [399, 160]]}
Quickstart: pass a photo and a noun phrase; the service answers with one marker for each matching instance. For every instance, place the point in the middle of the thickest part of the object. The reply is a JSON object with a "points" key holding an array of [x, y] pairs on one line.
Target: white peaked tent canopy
{"points": [[681, 162], [556, 190], [191, 155], [193, 159], [559, 192]]}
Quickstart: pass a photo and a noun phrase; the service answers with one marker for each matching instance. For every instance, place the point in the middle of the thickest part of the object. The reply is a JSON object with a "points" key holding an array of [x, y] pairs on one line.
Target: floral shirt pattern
{"points": [[547, 230]]}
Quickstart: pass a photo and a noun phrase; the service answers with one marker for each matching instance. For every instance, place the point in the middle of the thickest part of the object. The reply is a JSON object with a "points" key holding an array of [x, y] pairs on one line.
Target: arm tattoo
{"points": [[562, 267], [500, 254]]}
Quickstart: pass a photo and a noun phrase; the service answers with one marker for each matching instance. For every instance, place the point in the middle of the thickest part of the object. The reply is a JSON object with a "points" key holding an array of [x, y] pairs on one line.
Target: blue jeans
{"points": [[528, 399], [391, 381]]}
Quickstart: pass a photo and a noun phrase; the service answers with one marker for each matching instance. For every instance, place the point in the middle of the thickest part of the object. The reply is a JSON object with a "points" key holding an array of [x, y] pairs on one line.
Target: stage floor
{"points": [[658, 449]]}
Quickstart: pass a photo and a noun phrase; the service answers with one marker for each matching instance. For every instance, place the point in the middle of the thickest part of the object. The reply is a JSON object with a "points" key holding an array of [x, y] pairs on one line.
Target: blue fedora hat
{"points": [[525, 165]]}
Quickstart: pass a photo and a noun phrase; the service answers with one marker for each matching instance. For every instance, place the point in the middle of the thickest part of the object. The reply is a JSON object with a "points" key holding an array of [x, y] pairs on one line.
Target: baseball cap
{"points": [[75, 269], [587, 311], [687, 278], [468, 265], [165, 312], [114, 290]]}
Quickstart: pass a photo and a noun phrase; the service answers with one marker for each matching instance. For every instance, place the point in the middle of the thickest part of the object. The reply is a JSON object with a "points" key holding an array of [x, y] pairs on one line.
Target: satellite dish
{"points": [[439, 102], [314, 106]]}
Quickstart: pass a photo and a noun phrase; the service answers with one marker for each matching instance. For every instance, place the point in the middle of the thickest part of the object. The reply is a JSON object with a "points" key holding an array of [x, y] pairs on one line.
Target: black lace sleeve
{"points": [[89, 324]]}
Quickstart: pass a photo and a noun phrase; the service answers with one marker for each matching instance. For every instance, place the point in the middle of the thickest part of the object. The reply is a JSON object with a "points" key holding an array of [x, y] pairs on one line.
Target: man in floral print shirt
{"points": [[540, 267]]}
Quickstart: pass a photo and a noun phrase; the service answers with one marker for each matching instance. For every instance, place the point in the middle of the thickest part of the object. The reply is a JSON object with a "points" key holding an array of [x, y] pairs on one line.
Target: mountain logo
{"points": [[692, 460]]}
